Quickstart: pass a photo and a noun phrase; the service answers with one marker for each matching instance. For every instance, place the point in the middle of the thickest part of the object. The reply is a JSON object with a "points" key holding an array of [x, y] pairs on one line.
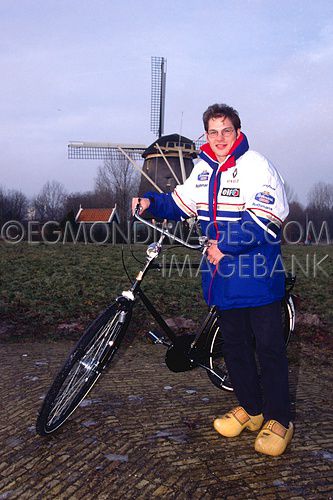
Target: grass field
{"points": [[55, 290]]}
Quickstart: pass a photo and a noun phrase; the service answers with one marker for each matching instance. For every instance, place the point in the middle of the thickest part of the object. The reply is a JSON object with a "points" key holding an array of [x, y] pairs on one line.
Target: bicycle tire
{"points": [[288, 317], [83, 367], [219, 374]]}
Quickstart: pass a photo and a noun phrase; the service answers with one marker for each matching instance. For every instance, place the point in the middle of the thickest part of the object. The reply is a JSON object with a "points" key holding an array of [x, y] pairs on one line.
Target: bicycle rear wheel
{"points": [[288, 317], [84, 366], [219, 374]]}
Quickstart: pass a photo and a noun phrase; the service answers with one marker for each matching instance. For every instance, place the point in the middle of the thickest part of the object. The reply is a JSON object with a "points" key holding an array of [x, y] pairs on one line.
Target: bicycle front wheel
{"points": [[84, 366]]}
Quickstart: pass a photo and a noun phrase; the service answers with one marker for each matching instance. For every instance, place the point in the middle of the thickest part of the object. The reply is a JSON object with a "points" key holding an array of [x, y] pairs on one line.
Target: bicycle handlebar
{"points": [[203, 239]]}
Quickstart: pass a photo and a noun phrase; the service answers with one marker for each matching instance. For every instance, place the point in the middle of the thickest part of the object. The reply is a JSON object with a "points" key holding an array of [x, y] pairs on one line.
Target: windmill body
{"points": [[168, 162]]}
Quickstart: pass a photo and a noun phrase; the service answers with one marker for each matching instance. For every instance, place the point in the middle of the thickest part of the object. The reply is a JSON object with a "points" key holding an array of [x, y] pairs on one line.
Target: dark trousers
{"points": [[257, 329]]}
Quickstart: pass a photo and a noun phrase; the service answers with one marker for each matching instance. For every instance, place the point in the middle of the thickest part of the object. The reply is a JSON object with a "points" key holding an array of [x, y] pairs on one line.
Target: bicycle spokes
{"points": [[87, 367]]}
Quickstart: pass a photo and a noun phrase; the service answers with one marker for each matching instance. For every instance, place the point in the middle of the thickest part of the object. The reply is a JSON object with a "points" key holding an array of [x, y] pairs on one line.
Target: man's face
{"points": [[221, 135]]}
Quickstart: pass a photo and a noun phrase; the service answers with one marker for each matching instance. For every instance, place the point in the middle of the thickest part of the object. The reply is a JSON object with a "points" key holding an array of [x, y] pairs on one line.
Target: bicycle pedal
{"points": [[157, 338]]}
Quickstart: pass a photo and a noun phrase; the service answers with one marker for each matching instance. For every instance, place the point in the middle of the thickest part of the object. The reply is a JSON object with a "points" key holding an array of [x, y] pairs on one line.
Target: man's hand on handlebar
{"points": [[139, 205], [143, 203], [214, 255]]}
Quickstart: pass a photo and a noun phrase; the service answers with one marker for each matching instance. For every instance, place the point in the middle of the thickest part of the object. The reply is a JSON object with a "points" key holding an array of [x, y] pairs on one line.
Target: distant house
{"points": [[95, 215], [98, 222]]}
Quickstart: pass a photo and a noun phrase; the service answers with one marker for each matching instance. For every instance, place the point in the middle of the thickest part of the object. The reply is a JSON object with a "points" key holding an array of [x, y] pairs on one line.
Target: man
{"points": [[240, 200]]}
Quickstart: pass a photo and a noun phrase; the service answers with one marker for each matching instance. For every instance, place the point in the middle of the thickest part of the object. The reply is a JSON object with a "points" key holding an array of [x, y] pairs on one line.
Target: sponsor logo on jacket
{"points": [[262, 205], [203, 176], [265, 197], [230, 192]]}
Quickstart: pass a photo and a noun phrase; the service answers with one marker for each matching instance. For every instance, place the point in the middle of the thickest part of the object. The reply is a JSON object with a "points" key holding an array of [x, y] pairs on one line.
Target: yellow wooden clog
{"points": [[273, 438], [236, 420]]}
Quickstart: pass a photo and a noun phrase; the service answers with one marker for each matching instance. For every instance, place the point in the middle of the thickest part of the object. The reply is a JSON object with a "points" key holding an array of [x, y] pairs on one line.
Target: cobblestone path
{"points": [[145, 432]]}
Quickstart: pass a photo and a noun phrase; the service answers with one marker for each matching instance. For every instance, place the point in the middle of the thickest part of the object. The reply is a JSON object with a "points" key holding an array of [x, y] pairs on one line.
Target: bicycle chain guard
{"points": [[177, 356]]}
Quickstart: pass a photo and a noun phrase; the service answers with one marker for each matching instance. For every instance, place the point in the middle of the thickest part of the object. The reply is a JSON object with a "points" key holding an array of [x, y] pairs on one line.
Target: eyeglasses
{"points": [[226, 132]]}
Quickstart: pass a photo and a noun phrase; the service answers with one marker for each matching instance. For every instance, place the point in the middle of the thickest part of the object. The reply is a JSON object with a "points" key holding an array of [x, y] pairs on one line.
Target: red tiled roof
{"points": [[94, 215]]}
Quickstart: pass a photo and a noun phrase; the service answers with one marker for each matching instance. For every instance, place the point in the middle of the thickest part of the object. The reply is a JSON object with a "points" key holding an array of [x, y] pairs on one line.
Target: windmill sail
{"points": [[158, 85], [79, 150]]}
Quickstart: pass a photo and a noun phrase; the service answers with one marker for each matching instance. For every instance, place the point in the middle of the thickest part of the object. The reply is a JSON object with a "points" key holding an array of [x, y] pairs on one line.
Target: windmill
{"points": [[168, 161]]}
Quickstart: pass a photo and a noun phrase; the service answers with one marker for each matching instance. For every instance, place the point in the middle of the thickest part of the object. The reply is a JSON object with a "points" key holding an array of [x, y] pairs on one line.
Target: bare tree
{"points": [[13, 205], [2, 205], [120, 181], [320, 196], [49, 203], [320, 209], [18, 204], [295, 223], [89, 199], [291, 196]]}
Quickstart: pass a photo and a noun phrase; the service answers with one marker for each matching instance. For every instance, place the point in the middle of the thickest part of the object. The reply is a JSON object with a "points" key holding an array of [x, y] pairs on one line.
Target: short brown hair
{"points": [[221, 110]]}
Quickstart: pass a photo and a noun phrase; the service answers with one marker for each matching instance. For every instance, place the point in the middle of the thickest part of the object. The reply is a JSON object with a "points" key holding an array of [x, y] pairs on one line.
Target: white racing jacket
{"points": [[241, 203]]}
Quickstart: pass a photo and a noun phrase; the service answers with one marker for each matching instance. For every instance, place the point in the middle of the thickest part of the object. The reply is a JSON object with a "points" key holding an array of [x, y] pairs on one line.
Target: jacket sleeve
{"points": [[266, 208], [174, 206]]}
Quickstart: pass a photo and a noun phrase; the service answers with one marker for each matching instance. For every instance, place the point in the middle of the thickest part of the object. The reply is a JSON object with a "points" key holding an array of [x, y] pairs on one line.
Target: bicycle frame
{"points": [[179, 343], [188, 351]]}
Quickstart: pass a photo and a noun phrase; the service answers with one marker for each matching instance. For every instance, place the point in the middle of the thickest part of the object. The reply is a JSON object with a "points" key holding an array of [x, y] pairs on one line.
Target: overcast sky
{"points": [[80, 70]]}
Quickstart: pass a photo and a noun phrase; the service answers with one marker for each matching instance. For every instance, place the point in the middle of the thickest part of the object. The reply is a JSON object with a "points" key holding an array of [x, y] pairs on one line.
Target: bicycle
{"points": [[98, 345]]}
